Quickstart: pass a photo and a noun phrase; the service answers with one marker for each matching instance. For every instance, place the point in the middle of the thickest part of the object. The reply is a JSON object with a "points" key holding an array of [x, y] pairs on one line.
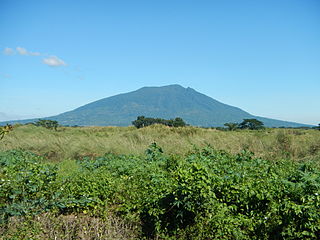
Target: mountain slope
{"points": [[161, 102]]}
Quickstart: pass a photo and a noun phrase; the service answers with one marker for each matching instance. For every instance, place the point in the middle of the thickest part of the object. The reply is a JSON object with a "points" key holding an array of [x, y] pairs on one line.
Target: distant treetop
{"points": [[252, 124], [142, 121], [50, 124]]}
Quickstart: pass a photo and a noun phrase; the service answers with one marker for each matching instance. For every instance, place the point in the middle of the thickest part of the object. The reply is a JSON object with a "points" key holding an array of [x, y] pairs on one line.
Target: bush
{"points": [[207, 194], [26, 186]]}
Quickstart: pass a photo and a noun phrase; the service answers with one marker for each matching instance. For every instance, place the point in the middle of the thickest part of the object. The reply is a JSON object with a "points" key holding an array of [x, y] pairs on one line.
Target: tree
{"points": [[178, 122], [49, 124], [231, 126], [142, 121], [252, 124]]}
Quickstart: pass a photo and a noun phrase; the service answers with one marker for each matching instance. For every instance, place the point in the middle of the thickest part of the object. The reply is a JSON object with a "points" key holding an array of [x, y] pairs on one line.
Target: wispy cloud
{"points": [[23, 51], [54, 61], [8, 51]]}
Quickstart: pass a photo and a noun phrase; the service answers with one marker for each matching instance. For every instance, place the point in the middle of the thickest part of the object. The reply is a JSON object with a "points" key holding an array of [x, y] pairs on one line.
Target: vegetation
{"points": [[205, 194], [5, 130], [76, 142], [49, 124], [144, 122], [101, 183], [106, 183], [252, 124], [231, 126]]}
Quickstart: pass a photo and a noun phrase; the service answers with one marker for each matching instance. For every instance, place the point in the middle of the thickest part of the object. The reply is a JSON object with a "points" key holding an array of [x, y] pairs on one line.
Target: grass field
{"points": [[72, 143], [159, 183]]}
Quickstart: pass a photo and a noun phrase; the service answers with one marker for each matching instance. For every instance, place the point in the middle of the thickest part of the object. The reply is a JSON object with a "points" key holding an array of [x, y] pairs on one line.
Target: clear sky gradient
{"points": [[261, 56]]}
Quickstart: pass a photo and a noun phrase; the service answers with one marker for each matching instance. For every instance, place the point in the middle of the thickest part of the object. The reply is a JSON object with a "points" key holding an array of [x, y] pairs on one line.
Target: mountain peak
{"points": [[166, 102], [171, 86]]}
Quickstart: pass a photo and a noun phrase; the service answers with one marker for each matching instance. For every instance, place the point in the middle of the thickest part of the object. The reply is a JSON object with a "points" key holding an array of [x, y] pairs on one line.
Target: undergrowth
{"points": [[203, 194]]}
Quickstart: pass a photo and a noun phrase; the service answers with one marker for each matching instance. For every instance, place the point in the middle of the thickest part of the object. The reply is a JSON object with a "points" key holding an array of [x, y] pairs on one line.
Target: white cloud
{"points": [[23, 51], [8, 51], [54, 61]]}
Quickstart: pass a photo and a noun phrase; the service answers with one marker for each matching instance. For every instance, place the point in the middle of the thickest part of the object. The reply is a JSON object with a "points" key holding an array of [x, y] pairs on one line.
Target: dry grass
{"points": [[72, 143], [68, 227]]}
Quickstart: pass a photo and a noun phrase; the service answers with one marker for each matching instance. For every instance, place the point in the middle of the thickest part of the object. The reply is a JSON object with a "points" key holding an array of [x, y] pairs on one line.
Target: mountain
{"points": [[158, 102]]}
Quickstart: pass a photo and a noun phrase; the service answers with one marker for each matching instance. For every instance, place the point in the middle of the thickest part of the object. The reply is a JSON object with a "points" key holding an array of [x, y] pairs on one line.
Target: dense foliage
{"points": [[231, 126], [142, 121], [50, 124], [207, 194], [252, 124]]}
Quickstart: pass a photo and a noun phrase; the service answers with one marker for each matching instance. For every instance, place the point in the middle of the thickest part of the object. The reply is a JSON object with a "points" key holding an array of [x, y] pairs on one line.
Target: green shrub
{"points": [[26, 184], [85, 190], [206, 194]]}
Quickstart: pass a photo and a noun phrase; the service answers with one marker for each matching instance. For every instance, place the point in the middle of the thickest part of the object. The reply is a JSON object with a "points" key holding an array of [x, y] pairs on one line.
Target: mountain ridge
{"points": [[160, 102]]}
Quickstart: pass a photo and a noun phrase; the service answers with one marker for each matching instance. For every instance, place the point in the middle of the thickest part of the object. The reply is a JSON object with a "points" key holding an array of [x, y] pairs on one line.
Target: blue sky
{"points": [[261, 56]]}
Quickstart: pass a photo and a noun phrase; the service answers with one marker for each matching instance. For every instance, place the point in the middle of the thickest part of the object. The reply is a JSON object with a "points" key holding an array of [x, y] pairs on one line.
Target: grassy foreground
{"points": [[111, 183], [72, 143]]}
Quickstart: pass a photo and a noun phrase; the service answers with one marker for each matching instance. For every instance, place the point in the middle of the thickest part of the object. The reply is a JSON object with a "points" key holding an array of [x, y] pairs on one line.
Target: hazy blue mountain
{"points": [[159, 102]]}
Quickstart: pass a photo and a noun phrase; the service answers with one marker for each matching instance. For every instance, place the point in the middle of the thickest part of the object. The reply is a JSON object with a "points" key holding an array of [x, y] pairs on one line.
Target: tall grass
{"points": [[67, 227], [76, 142]]}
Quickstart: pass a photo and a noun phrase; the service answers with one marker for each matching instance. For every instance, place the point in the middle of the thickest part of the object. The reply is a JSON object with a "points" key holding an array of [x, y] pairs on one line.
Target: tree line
{"points": [[249, 123], [143, 121], [252, 124]]}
